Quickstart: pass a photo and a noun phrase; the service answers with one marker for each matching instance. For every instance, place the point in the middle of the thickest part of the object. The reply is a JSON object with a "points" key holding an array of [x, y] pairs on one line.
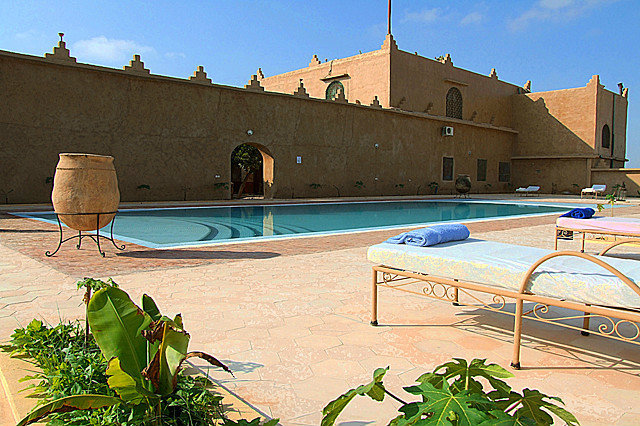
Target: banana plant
{"points": [[144, 349]]}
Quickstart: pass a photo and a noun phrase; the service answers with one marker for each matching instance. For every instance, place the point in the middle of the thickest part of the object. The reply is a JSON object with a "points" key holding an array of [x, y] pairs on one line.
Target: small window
{"points": [[454, 103], [447, 168], [606, 136], [482, 170], [333, 89], [504, 172]]}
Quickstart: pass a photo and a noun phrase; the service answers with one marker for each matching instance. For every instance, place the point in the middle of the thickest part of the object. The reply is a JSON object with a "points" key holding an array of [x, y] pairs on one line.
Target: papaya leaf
{"points": [[123, 384], [374, 389], [532, 403], [465, 374], [163, 369], [115, 322], [150, 307], [504, 419], [442, 407], [566, 416], [69, 403]]}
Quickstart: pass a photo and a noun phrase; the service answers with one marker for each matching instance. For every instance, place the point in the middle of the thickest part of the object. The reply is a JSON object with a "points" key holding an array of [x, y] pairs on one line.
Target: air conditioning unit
{"points": [[447, 131]]}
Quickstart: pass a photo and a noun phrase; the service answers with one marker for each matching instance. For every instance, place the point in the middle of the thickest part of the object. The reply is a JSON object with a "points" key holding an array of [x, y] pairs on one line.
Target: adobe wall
{"points": [[556, 122], [363, 77], [553, 175], [421, 84], [176, 136], [612, 177], [612, 111]]}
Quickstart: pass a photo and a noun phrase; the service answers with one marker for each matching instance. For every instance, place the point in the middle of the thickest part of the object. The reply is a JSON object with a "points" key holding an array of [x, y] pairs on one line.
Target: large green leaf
{"points": [[69, 403], [504, 419], [374, 389], [465, 373], [150, 307], [163, 369], [442, 407], [532, 403], [125, 386], [116, 323]]}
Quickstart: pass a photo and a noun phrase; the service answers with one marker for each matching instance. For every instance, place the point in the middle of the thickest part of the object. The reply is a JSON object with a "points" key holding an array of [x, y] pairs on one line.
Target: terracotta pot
{"points": [[85, 183], [463, 184]]}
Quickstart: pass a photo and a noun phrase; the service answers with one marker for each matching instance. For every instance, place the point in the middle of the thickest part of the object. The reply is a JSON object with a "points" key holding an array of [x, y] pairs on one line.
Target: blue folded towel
{"points": [[432, 235], [580, 213]]}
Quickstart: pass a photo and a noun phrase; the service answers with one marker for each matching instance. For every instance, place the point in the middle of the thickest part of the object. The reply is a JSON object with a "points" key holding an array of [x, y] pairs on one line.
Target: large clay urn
{"points": [[87, 184]]}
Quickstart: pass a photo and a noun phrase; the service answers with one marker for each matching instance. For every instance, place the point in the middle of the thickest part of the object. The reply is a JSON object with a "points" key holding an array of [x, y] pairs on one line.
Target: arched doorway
{"points": [[251, 171]]}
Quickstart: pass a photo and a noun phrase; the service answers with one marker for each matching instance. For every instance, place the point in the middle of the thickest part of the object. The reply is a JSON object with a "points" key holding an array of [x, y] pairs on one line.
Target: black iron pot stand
{"points": [[95, 237]]}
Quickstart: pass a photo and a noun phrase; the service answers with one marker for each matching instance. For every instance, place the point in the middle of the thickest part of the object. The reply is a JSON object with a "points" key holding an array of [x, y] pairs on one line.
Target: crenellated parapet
{"points": [[200, 76], [136, 66], [254, 84], [301, 92], [314, 61], [60, 52]]}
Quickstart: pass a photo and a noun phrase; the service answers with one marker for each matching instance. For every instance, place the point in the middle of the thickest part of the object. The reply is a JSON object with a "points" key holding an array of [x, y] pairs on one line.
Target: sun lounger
{"points": [[463, 271], [594, 190], [617, 226], [531, 189]]}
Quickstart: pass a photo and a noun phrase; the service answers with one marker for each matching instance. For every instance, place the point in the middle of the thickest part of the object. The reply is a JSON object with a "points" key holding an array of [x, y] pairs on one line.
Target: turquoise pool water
{"points": [[171, 227]]}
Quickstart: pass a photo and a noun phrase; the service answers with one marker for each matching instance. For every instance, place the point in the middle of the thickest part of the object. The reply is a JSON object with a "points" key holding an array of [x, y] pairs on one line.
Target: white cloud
{"points": [[472, 18], [555, 4], [426, 16], [554, 10], [175, 55], [108, 51]]}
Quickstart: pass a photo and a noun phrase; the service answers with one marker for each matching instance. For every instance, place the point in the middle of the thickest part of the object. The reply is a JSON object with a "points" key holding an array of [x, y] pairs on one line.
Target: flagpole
{"points": [[389, 19]]}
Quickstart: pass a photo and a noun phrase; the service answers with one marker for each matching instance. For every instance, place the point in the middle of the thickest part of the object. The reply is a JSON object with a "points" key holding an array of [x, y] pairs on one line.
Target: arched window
{"points": [[333, 90], [606, 136], [454, 103]]}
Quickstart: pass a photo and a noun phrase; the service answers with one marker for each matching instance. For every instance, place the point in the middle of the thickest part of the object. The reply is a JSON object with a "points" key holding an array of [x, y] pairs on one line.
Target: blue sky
{"points": [[555, 43]]}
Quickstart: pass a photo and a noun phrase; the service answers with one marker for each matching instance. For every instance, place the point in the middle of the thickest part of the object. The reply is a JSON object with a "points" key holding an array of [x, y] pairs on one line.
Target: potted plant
{"points": [[434, 187]]}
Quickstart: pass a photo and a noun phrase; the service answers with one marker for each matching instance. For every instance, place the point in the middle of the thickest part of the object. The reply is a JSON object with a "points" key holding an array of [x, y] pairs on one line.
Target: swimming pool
{"points": [[171, 227]]}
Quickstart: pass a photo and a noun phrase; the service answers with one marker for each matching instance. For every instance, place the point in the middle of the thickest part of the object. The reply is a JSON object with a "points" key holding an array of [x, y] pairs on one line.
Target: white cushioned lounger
{"points": [[596, 285], [602, 225]]}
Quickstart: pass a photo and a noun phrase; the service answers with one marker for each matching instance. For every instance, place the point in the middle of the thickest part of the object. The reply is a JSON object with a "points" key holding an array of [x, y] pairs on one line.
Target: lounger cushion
{"points": [[603, 224], [504, 265]]}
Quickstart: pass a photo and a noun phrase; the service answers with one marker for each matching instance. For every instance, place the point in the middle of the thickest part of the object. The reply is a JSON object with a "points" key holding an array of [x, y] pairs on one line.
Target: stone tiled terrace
{"points": [[291, 319]]}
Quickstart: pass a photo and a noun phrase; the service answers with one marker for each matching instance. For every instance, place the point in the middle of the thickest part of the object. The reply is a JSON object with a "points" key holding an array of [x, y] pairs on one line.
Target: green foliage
{"points": [[127, 373], [611, 200], [399, 185], [247, 157], [374, 389], [315, 185], [454, 395], [218, 185], [95, 285], [143, 186], [77, 402], [359, 184]]}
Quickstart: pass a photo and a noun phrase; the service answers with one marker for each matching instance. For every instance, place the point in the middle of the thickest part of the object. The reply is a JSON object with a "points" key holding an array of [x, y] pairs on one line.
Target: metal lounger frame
{"points": [[450, 289], [561, 229]]}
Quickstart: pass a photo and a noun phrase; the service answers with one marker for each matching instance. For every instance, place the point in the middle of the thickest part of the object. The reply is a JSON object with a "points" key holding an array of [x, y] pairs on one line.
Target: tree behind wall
{"points": [[249, 159]]}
